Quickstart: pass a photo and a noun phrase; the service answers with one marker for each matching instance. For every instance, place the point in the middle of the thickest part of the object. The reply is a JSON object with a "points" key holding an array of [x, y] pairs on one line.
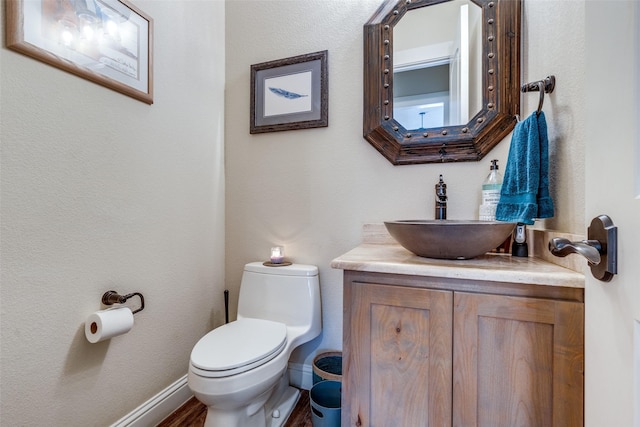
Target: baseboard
{"points": [[158, 407], [300, 375], [173, 397]]}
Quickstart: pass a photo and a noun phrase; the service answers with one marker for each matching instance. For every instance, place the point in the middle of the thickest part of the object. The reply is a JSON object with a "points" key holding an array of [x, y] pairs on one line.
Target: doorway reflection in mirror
{"points": [[438, 62]]}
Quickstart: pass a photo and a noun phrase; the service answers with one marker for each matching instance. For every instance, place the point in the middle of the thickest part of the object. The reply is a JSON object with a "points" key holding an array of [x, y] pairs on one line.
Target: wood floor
{"points": [[192, 414]]}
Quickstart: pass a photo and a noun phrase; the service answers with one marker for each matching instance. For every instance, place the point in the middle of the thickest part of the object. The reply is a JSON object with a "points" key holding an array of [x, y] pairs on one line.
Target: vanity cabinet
{"points": [[425, 351]]}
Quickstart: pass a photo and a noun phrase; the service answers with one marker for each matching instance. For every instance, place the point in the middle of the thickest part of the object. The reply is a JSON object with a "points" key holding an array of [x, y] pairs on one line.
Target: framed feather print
{"points": [[290, 93]]}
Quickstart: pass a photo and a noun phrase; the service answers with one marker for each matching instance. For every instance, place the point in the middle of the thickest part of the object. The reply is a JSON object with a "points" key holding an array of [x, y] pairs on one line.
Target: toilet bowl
{"points": [[239, 370]]}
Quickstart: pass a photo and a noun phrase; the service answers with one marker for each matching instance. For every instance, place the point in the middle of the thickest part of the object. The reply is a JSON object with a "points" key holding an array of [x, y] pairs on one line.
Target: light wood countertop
{"points": [[385, 256]]}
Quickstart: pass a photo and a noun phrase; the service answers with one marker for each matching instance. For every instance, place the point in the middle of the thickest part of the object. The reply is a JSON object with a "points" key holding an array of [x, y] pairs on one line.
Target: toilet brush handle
{"points": [[226, 306]]}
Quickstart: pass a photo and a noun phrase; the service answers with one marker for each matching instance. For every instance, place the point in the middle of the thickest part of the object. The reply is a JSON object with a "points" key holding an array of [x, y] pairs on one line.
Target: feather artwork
{"points": [[285, 93]]}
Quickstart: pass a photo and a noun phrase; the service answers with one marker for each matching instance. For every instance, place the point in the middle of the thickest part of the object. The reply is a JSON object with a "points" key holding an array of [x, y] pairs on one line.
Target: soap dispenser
{"points": [[520, 247], [490, 193]]}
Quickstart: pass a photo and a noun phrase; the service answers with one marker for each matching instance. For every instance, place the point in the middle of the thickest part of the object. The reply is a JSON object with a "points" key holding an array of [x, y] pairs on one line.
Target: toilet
{"points": [[239, 370]]}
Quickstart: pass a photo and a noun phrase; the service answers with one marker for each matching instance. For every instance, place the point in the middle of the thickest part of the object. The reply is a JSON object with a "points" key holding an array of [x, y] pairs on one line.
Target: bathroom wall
{"points": [[312, 190], [100, 191]]}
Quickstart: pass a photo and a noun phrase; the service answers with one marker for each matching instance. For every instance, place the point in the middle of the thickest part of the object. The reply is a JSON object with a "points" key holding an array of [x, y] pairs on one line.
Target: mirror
{"points": [[441, 78], [437, 65]]}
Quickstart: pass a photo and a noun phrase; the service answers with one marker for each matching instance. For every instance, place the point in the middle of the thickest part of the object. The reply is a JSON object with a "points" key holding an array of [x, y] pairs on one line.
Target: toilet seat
{"points": [[237, 347]]}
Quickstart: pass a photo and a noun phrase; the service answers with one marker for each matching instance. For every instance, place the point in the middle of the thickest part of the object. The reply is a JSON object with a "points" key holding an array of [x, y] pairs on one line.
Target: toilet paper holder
{"points": [[112, 297]]}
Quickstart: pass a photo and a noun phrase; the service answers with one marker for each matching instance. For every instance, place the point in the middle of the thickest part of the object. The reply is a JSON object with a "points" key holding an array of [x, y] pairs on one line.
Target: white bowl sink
{"points": [[449, 239]]}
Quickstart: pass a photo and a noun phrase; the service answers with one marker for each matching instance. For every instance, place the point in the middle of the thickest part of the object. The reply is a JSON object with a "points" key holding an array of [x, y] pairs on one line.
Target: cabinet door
{"points": [[517, 361], [398, 354]]}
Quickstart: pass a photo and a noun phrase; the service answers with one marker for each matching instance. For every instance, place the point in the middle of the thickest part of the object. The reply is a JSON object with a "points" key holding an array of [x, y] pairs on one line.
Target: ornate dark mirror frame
{"points": [[501, 21]]}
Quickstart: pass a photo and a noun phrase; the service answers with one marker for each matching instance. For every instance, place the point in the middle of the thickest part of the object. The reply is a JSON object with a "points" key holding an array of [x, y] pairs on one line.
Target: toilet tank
{"points": [[288, 294]]}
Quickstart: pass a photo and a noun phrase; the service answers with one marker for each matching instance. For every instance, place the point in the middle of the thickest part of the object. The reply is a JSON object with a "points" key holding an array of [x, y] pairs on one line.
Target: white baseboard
{"points": [[158, 407], [300, 375], [166, 402]]}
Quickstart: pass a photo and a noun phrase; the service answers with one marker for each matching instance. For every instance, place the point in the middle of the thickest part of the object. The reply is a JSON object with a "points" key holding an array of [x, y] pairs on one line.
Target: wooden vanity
{"points": [[492, 341]]}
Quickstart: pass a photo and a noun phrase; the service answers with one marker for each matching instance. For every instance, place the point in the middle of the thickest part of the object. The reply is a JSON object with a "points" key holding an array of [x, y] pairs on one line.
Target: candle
{"points": [[277, 255]]}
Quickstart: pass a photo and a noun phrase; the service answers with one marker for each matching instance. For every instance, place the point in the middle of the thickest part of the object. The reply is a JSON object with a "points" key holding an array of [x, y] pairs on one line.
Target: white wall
{"points": [[312, 190], [100, 191]]}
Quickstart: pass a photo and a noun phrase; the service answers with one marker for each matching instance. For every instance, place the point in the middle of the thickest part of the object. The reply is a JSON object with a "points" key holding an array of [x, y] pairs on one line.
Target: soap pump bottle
{"points": [[491, 193], [441, 199]]}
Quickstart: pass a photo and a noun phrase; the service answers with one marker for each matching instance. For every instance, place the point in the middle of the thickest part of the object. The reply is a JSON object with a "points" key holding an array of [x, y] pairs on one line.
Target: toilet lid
{"points": [[237, 345]]}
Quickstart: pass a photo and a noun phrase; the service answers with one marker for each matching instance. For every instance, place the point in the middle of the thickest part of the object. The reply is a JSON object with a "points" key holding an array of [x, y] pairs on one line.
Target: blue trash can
{"points": [[325, 404], [327, 366]]}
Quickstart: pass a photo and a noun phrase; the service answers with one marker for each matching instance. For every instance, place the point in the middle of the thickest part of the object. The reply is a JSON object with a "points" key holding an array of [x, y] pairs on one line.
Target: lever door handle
{"points": [[590, 249], [600, 249]]}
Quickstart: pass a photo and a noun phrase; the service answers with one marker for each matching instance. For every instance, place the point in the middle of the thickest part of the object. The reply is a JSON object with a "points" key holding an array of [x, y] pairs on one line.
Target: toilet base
{"points": [[284, 407], [272, 413]]}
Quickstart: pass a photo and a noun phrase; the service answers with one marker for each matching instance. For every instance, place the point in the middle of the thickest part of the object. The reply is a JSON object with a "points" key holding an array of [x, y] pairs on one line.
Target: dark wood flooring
{"points": [[193, 413]]}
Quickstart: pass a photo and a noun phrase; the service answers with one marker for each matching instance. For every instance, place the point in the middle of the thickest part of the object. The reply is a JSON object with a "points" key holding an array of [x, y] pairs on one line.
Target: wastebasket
{"points": [[327, 366], [325, 403]]}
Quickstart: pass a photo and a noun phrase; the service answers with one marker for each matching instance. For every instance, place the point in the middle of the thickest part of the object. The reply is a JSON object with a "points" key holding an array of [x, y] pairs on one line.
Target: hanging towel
{"points": [[525, 188]]}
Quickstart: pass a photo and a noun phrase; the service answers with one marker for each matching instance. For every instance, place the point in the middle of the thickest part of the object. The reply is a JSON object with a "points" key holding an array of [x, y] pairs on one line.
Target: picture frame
{"points": [[290, 93], [109, 42]]}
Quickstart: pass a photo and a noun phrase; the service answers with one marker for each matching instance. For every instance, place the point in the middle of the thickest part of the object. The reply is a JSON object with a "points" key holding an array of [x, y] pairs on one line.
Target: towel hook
{"points": [[541, 89], [543, 86]]}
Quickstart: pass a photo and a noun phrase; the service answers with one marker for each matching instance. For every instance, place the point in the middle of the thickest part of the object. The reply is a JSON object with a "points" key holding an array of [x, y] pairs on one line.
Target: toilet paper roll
{"points": [[109, 323]]}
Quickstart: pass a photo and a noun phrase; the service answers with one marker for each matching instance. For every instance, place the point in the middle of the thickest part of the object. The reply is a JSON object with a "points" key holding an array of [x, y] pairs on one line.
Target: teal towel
{"points": [[525, 189]]}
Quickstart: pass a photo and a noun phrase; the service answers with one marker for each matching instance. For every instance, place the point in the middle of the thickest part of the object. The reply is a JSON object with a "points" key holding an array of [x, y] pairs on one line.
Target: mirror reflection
{"points": [[446, 122], [437, 65]]}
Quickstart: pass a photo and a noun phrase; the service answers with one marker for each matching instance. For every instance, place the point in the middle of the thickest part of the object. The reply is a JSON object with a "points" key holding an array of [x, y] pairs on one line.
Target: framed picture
{"points": [[290, 93], [109, 42]]}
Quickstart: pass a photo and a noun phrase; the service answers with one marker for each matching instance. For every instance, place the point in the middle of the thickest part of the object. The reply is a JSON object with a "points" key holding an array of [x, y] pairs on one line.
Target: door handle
{"points": [[600, 249], [590, 249]]}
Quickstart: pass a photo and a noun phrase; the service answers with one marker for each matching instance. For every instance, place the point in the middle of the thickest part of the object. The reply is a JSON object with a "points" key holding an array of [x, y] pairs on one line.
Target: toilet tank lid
{"points": [[288, 270]]}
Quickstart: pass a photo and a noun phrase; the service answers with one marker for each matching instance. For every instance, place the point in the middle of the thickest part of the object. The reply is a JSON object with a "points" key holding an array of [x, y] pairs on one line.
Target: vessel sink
{"points": [[449, 239]]}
